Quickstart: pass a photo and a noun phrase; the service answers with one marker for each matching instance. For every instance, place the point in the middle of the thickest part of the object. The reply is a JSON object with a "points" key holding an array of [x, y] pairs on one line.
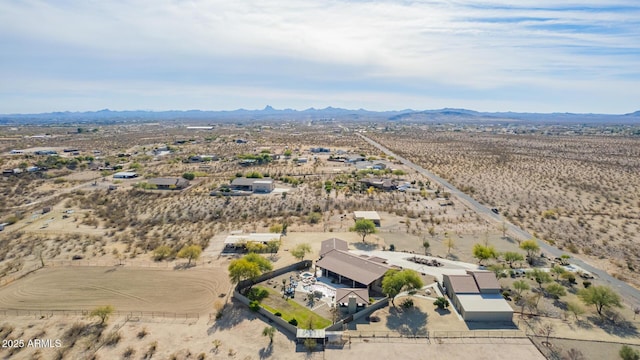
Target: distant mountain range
{"points": [[330, 113]]}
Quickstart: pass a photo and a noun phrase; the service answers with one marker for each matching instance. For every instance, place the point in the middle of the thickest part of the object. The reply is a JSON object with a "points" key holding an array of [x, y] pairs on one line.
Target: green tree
{"points": [[300, 251], [497, 269], [531, 247], [556, 290], [103, 312], [511, 257], [540, 277], [426, 245], [247, 267], [191, 252], [557, 271], [601, 297], [520, 286], [482, 252], [628, 353], [364, 227], [162, 252], [269, 331], [575, 308], [449, 243], [396, 281], [189, 175]]}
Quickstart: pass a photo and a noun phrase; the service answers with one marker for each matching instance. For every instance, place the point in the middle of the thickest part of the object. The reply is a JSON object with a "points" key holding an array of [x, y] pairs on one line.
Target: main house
{"points": [[476, 295], [349, 269]]}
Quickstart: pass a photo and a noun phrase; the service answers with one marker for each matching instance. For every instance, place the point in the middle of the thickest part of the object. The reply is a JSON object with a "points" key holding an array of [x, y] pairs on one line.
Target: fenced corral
{"points": [[129, 315]]}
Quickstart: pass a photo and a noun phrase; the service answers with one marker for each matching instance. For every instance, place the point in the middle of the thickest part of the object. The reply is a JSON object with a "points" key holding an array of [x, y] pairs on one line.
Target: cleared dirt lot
{"points": [[450, 349], [127, 289]]}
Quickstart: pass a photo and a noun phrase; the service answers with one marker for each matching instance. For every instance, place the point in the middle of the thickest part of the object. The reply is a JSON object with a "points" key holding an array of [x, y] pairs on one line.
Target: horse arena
{"points": [[125, 288]]}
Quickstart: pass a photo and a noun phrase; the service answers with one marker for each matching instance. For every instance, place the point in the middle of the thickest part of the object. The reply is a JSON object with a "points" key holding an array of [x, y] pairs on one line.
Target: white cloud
{"points": [[471, 45]]}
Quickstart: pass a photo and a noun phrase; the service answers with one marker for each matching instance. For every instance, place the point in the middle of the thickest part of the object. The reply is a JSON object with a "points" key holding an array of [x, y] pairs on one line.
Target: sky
{"points": [[509, 55]]}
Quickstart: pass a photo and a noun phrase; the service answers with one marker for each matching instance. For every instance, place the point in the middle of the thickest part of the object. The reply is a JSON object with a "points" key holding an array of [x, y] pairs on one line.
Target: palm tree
{"points": [[269, 331]]}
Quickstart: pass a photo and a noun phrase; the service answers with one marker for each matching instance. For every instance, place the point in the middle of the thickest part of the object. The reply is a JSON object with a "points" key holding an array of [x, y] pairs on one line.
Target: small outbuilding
{"points": [[367, 215], [476, 295], [239, 241], [125, 175]]}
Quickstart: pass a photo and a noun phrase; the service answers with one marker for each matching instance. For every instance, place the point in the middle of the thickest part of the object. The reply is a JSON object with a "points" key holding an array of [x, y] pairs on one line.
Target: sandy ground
{"points": [[477, 349], [239, 336], [126, 289]]}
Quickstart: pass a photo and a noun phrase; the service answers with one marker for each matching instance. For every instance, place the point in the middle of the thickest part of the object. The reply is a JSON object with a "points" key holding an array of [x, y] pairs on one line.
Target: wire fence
{"points": [[11, 277], [424, 334], [133, 263], [129, 315]]}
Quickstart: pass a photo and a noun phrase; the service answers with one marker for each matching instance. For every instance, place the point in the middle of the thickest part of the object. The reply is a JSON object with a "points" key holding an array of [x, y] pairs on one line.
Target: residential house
{"points": [[169, 183], [256, 185], [385, 184], [349, 269]]}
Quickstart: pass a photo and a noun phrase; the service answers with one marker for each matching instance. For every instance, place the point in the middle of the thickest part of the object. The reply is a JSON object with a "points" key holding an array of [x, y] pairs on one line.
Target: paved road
{"points": [[628, 292]]}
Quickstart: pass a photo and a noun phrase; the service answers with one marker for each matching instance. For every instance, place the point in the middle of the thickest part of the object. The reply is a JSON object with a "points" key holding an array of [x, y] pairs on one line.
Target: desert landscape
{"points": [[78, 238], [579, 193]]}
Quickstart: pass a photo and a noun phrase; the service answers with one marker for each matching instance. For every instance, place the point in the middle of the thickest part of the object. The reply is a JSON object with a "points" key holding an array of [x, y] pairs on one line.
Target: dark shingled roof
{"points": [[351, 266], [361, 294], [333, 243]]}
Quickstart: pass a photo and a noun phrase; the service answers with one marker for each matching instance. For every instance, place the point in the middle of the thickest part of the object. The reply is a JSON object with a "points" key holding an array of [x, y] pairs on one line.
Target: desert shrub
{"points": [[112, 338], [129, 352], [407, 304], [153, 347], [441, 303], [254, 305], [314, 218], [254, 175], [5, 331], [628, 353], [586, 284], [257, 294], [142, 333], [392, 247]]}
